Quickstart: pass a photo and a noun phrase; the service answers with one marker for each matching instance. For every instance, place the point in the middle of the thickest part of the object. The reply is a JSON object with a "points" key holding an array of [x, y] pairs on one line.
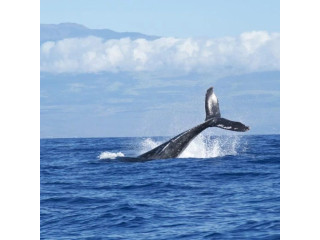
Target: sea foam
{"points": [[110, 155]]}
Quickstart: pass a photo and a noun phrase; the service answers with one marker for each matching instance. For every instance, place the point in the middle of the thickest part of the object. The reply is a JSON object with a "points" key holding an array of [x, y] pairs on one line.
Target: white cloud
{"points": [[251, 51]]}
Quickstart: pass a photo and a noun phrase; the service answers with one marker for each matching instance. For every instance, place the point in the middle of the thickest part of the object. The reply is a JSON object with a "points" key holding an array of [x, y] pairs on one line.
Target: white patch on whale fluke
{"points": [[225, 127], [110, 155]]}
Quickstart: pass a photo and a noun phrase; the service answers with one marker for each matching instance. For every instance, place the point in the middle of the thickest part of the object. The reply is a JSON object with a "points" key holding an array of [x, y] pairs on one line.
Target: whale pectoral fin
{"points": [[231, 125]]}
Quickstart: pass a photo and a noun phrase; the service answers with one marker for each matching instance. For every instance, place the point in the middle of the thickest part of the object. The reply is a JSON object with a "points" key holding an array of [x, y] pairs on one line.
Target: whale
{"points": [[175, 146]]}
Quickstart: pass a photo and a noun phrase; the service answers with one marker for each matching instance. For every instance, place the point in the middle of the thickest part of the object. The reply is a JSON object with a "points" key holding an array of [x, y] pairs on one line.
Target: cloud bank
{"points": [[250, 52]]}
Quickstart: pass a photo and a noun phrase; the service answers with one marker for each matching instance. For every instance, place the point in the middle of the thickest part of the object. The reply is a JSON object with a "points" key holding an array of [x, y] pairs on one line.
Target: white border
{"points": [[20, 120], [299, 62]]}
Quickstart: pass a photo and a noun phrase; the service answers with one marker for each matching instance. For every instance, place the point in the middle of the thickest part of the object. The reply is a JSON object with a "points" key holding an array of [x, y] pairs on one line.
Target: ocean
{"points": [[221, 187]]}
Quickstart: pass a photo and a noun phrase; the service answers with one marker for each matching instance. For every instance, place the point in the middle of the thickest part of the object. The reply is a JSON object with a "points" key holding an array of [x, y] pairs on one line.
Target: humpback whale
{"points": [[175, 146]]}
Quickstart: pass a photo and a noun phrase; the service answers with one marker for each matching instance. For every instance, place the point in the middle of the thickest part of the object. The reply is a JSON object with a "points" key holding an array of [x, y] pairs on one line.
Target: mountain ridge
{"points": [[56, 32]]}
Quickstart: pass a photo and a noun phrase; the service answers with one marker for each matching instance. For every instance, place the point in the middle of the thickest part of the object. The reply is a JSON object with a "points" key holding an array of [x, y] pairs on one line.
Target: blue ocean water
{"points": [[223, 187]]}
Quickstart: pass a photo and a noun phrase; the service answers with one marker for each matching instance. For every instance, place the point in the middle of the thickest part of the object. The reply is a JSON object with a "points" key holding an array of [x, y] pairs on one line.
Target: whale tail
{"points": [[213, 115]]}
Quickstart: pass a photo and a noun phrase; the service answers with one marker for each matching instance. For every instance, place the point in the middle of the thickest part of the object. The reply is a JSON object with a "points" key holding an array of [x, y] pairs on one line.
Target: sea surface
{"points": [[221, 187]]}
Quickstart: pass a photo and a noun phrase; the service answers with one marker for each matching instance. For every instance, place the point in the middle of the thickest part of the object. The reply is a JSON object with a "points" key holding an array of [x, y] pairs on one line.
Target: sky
{"points": [[93, 86], [181, 18]]}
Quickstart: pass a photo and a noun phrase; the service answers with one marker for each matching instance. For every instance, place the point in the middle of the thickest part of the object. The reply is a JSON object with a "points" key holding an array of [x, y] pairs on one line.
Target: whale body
{"points": [[175, 146]]}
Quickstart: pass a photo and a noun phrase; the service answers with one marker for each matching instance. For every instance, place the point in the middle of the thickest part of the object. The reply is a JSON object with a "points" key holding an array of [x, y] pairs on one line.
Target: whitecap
{"points": [[110, 155]]}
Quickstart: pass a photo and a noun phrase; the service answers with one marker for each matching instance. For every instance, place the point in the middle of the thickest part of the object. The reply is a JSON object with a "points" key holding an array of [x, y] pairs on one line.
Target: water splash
{"points": [[148, 144], [142, 147], [202, 146], [110, 155], [211, 147]]}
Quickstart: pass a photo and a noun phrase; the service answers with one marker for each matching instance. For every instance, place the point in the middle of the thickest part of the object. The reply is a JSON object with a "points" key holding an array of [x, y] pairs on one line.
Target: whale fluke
{"points": [[175, 146]]}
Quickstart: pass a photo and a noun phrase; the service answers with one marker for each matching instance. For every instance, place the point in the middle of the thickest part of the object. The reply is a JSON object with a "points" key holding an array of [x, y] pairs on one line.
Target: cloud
{"points": [[249, 52]]}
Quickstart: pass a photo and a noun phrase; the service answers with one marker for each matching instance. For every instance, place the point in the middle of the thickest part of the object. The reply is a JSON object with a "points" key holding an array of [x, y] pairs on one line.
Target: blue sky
{"points": [[94, 86], [181, 18]]}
